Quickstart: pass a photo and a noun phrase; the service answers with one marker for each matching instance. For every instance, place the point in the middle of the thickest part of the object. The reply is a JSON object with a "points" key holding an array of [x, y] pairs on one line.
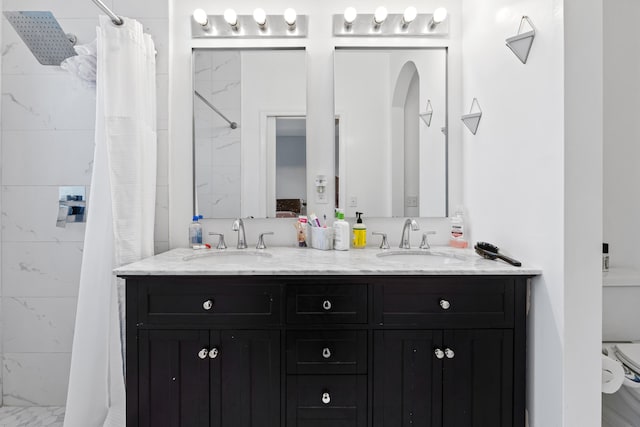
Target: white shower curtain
{"points": [[120, 220]]}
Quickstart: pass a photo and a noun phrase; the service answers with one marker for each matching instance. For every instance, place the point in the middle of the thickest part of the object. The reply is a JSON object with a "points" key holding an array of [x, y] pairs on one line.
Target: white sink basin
{"points": [[230, 257], [422, 257]]}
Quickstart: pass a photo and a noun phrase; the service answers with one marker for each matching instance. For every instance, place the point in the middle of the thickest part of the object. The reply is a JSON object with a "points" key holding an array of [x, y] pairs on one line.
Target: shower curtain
{"points": [[120, 220]]}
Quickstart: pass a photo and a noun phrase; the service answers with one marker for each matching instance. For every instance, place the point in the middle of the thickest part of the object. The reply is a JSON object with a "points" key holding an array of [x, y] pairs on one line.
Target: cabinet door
{"points": [[478, 378], [173, 378], [407, 379], [245, 379]]}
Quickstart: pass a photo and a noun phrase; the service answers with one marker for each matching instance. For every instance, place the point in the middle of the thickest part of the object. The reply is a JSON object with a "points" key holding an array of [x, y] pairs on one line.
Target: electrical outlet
{"points": [[412, 201], [353, 202]]}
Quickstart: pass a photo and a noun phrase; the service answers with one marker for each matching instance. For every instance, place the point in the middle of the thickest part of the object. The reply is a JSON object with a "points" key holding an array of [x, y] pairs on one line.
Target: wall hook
{"points": [[520, 44], [426, 116], [472, 120]]}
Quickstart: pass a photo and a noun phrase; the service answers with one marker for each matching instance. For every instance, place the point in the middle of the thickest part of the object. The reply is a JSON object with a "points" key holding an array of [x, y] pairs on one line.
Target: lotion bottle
{"points": [[457, 238], [341, 233]]}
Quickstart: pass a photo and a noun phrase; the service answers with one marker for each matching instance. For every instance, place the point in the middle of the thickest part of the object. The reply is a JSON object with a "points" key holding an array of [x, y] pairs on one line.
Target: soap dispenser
{"points": [[359, 232]]}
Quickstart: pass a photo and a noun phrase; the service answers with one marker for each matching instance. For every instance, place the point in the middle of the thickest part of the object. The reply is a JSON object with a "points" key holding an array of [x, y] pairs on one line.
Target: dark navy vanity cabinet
{"points": [[326, 351]]}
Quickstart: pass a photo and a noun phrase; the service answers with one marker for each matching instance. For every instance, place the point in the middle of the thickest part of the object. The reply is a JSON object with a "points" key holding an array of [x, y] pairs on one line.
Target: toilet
{"points": [[621, 345]]}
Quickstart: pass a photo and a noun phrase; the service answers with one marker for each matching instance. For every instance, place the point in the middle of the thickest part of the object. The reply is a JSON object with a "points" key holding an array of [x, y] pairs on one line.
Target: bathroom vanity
{"points": [[309, 338]]}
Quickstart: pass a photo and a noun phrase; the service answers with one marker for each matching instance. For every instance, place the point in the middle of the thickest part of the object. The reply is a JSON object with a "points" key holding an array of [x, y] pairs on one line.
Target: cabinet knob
{"points": [[449, 353], [207, 305], [326, 305], [445, 304], [326, 398], [213, 353], [439, 353], [202, 354], [326, 353]]}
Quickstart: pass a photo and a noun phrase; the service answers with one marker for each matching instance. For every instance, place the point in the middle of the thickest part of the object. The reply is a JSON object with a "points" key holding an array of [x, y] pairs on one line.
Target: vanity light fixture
{"points": [[257, 25], [520, 44], [426, 116], [439, 15], [379, 16], [409, 16], [350, 15], [290, 18], [472, 120], [410, 23], [200, 16], [260, 16], [231, 17]]}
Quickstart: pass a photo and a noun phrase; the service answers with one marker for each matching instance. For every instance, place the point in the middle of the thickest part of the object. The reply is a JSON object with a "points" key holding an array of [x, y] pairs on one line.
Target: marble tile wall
{"points": [[218, 175], [47, 141]]}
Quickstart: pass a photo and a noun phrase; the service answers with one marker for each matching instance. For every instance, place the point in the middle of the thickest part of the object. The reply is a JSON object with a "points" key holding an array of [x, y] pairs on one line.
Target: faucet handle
{"points": [[424, 244], [384, 244], [261, 244], [221, 243]]}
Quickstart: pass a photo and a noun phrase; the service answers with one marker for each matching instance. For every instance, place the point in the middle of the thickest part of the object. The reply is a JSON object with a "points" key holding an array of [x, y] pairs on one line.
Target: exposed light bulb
{"points": [[380, 15], [231, 17], [200, 16], [260, 16], [290, 17], [439, 15], [350, 15], [409, 15]]}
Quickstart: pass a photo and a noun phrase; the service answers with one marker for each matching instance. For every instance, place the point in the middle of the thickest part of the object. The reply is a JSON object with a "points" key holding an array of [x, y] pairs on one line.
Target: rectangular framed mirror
{"points": [[391, 131], [249, 132]]}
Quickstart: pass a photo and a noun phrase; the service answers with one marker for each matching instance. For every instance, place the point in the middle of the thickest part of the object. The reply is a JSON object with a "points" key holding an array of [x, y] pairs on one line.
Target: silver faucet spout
{"points": [[409, 224], [238, 225]]}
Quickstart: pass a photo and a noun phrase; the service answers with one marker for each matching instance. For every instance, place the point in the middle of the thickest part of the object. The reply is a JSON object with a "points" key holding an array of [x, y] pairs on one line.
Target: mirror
{"points": [[249, 132], [391, 142]]}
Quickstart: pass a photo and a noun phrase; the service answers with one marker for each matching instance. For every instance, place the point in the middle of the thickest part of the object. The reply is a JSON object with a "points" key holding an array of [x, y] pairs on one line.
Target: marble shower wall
{"points": [[47, 141], [218, 175]]}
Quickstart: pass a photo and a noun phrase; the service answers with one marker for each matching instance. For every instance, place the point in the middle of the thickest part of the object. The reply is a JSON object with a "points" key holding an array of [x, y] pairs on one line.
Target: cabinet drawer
{"points": [[327, 304], [326, 401], [211, 303], [327, 352], [446, 302]]}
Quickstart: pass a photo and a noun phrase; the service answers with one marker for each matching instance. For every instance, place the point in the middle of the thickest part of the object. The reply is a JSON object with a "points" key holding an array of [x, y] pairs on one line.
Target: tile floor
{"points": [[12, 416]]}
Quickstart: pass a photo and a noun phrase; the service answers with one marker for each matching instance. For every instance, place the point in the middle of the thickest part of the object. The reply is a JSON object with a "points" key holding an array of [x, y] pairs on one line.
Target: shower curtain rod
{"points": [[114, 18], [232, 125]]}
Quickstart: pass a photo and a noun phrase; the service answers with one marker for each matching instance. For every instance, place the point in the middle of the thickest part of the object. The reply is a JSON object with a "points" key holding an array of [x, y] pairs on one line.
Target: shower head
{"points": [[43, 35]]}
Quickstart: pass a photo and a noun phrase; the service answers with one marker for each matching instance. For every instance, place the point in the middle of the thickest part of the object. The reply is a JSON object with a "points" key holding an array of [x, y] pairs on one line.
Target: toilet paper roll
{"points": [[612, 375]]}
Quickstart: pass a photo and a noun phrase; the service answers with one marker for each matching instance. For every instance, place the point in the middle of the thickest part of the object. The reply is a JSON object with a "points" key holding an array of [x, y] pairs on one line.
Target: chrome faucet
{"points": [[405, 242], [238, 225]]}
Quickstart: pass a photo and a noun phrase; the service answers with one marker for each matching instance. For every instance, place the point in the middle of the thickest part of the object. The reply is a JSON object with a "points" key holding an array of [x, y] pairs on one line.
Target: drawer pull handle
{"points": [[207, 305], [326, 398], [213, 353], [202, 354], [439, 353], [449, 353], [326, 353], [445, 304], [326, 305]]}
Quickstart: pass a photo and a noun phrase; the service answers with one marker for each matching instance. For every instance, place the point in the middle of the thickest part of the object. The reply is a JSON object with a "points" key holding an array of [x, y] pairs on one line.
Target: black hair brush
{"points": [[489, 251]]}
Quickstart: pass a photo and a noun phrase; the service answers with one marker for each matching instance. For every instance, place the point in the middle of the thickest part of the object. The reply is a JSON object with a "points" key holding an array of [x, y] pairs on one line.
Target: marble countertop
{"points": [[307, 261]]}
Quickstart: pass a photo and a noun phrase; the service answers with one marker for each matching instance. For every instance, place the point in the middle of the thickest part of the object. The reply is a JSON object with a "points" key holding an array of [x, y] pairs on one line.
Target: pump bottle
{"points": [[359, 233], [340, 233]]}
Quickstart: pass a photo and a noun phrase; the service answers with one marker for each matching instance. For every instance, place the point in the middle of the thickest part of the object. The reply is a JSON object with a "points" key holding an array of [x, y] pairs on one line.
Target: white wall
{"points": [[273, 84], [47, 141], [532, 185], [621, 131]]}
